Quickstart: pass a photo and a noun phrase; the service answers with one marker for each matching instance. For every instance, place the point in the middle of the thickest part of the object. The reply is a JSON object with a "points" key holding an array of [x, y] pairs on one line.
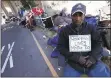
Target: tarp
{"points": [[37, 11], [91, 20]]}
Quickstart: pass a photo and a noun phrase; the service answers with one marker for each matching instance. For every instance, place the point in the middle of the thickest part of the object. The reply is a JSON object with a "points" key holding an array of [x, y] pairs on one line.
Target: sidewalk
{"points": [[5, 26], [46, 32]]}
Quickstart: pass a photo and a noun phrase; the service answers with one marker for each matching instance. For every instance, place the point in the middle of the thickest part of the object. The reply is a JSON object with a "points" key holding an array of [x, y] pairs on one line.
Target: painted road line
{"points": [[9, 47], [6, 60], [54, 73], [2, 49], [10, 59]]}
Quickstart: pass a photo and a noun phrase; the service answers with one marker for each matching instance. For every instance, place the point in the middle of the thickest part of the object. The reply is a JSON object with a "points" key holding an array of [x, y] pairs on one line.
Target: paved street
{"points": [[22, 57]]}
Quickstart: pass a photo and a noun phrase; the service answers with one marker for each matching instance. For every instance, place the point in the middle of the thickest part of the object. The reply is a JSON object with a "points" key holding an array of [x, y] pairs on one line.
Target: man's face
{"points": [[78, 18]]}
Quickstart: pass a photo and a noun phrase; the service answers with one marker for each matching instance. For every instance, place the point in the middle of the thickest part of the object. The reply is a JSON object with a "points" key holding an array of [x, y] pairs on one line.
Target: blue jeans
{"points": [[100, 70]]}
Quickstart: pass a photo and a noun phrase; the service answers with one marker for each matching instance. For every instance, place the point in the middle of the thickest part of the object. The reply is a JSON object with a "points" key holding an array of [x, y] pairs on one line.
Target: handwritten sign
{"points": [[79, 43]]}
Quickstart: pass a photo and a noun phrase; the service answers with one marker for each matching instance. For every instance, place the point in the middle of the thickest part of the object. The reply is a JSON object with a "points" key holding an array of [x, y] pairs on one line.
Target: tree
{"points": [[28, 4]]}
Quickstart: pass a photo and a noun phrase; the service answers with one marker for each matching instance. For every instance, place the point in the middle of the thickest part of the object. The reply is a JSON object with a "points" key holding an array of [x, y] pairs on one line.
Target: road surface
{"points": [[26, 54]]}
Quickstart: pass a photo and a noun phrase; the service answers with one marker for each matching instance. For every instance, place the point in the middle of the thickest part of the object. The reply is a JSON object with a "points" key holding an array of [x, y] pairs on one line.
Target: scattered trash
{"points": [[54, 48], [11, 27], [44, 37], [22, 48], [4, 29], [58, 68], [28, 74], [46, 47]]}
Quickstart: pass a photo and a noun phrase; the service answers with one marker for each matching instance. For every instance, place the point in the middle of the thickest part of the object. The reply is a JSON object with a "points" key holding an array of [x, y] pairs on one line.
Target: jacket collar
{"points": [[77, 29]]}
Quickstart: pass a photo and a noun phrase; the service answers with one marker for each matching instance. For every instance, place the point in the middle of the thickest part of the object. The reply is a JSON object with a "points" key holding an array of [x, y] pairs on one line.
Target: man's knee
{"points": [[100, 70]]}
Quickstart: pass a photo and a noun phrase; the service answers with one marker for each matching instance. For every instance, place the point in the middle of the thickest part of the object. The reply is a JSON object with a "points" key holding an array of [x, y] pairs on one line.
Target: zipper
{"points": [[80, 52], [78, 33]]}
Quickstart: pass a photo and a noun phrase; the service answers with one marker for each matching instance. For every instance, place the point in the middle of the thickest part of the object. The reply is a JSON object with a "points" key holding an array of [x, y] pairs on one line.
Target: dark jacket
{"points": [[73, 57]]}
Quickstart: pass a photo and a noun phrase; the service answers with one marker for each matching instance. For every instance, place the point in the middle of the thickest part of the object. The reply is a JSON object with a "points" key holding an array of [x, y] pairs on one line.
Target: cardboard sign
{"points": [[79, 43]]}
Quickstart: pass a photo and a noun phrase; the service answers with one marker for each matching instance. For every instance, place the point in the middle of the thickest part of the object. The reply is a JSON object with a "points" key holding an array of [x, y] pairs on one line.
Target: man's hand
{"points": [[88, 63], [82, 59]]}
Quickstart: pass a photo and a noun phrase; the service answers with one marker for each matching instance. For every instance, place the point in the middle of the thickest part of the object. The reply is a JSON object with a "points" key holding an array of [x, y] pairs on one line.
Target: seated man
{"points": [[80, 43]]}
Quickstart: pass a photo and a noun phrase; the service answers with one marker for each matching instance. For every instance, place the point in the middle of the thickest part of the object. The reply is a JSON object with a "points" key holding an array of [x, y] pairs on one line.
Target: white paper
{"points": [[79, 43]]}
